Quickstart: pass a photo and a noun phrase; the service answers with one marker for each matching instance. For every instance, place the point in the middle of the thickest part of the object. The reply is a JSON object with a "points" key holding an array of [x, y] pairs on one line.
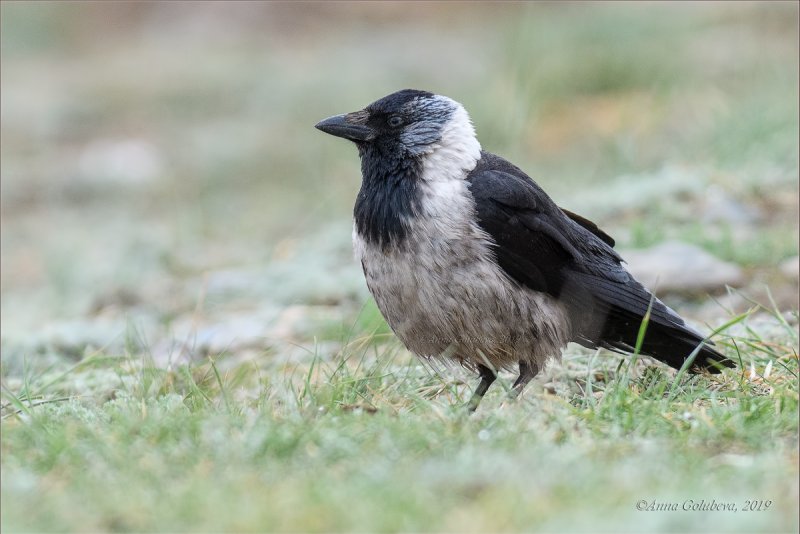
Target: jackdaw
{"points": [[469, 259]]}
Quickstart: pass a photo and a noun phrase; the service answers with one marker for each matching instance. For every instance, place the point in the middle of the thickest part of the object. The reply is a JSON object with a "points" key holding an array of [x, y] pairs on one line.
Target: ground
{"points": [[188, 345]]}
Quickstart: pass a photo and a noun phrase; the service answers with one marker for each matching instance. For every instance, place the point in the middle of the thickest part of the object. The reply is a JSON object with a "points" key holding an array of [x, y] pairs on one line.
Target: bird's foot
{"points": [[472, 404], [512, 397], [487, 377]]}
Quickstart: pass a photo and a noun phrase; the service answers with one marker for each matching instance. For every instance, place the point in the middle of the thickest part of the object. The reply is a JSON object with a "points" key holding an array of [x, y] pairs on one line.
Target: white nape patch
{"points": [[457, 150]]}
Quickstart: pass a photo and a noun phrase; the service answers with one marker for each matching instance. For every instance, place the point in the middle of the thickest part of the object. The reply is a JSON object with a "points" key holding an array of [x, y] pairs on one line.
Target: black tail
{"points": [[670, 343], [611, 313], [674, 345]]}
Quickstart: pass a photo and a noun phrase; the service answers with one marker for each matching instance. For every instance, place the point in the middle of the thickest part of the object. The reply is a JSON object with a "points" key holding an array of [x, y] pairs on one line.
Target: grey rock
{"points": [[193, 337], [233, 333], [791, 268], [80, 337], [677, 267], [720, 206]]}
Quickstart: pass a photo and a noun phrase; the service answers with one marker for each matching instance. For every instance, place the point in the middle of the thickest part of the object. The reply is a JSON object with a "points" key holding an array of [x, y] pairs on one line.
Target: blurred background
{"points": [[165, 199], [164, 189]]}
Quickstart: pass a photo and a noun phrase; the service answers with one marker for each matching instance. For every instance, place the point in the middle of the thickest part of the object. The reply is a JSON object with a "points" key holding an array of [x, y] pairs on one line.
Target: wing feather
{"points": [[557, 252]]}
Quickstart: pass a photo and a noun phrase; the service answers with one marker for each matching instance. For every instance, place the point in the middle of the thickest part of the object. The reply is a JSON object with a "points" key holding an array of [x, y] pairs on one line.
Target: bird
{"points": [[469, 260]]}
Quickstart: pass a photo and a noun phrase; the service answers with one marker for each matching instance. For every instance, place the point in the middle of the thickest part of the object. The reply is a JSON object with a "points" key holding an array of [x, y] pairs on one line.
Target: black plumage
{"points": [[557, 252], [388, 196], [469, 259]]}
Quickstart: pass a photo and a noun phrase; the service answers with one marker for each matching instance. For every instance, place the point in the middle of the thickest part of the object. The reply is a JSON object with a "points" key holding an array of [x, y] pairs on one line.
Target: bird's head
{"points": [[408, 123]]}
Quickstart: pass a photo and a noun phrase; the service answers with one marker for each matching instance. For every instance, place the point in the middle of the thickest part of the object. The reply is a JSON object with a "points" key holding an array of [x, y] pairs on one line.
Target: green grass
{"points": [[634, 115], [369, 439]]}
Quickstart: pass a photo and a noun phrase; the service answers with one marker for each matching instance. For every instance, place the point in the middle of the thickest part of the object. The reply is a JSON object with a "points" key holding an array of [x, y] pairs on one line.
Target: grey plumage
{"points": [[444, 294], [468, 259]]}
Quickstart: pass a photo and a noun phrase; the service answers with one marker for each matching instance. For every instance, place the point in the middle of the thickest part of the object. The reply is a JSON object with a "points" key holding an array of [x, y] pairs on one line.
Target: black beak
{"points": [[350, 126]]}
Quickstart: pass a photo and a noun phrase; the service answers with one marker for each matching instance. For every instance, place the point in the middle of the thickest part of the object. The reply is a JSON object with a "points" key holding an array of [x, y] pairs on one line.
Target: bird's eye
{"points": [[395, 121]]}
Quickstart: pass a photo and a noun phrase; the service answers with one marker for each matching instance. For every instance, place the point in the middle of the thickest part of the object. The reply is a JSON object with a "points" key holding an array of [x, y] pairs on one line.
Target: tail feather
{"points": [[672, 344], [610, 313]]}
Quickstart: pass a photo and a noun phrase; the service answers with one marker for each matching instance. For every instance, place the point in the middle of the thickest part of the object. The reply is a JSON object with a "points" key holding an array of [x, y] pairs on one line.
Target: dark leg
{"points": [[487, 377], [526, 374]]}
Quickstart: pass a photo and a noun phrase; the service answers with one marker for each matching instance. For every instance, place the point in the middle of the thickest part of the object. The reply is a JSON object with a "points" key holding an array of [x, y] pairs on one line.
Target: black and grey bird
{"points": [[469, 259]]}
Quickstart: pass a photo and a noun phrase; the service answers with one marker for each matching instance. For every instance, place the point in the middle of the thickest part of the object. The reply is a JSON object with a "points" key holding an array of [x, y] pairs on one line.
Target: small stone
{"points": [[676, 267], [719, 206], [790, 268]]}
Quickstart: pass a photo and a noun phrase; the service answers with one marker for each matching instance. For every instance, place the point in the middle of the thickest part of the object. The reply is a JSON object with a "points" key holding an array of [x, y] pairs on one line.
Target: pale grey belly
{"points": [[450, 299]]}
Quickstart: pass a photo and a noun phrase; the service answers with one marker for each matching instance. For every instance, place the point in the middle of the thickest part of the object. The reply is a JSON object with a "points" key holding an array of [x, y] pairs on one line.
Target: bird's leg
{"points": [[526, 373], [487, 377]]}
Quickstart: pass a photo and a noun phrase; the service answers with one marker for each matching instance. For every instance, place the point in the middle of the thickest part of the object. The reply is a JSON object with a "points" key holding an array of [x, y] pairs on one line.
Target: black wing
{"points": [[547, 249], [592, 227]]}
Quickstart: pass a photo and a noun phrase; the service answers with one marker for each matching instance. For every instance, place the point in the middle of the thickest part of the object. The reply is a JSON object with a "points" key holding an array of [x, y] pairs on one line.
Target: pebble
{"points": [[790, 268], [677, 267]]}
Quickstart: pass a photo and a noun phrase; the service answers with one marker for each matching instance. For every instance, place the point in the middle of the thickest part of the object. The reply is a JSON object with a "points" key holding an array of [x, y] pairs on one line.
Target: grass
{"points": [[635, 115], [371, 440]]}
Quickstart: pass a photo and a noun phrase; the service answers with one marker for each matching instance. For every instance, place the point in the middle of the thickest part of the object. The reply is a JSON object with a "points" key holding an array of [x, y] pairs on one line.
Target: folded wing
{"points": [[557, 252]]}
